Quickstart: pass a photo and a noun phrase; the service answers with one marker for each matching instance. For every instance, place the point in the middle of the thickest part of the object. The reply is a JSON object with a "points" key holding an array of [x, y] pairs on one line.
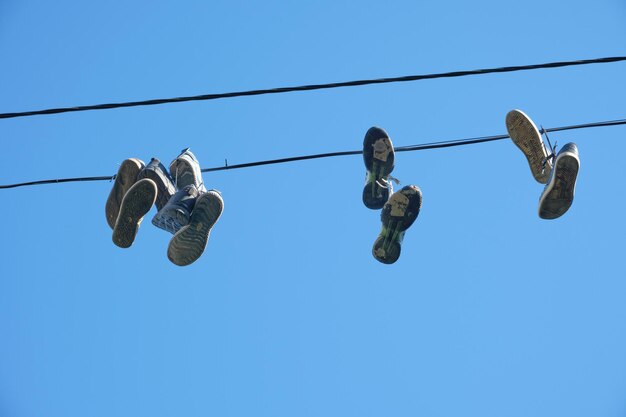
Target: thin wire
{"points": [[313, 87], [420, 147]]}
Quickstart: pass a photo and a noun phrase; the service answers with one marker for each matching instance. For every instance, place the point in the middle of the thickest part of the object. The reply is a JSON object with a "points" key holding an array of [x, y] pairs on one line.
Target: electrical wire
{"points": [[420, 147], [313, 87]]}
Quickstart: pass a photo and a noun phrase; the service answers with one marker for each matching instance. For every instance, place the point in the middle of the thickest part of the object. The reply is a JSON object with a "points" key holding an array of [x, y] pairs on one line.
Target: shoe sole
{"points": [[558, 195], [398, 214], [165, 186], [527, 138], [189, 243], [125, 178], [136, 204], [379, 165]]}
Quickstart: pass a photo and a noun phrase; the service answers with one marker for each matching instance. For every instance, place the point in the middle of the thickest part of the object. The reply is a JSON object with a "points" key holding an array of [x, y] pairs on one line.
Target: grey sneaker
{"points": [[188, 243], [136, 203], [558, 195], [379, 157], [165, 185], [175, 214], [124, 179], [526, 136], [185, 170], [398, 214]]}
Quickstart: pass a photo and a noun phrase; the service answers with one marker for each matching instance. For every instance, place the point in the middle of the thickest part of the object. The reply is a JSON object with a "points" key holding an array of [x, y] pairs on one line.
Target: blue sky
{"points": [[490, 311]]}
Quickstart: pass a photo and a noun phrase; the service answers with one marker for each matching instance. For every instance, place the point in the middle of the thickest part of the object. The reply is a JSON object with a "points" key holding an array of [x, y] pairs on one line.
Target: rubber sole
{"points": [[379, 159], [527, 138], [125, 178], [136, 204], [398, 214], [558, 195], [189, 243]]}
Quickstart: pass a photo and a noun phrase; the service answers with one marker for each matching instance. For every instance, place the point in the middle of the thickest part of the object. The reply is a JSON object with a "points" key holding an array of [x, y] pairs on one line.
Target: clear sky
{"points": [[490, 311]]}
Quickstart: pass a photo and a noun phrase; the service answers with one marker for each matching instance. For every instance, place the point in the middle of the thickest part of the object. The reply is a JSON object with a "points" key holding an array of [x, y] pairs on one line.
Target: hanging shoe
{"points": [[176, 213], [189, 242], [398, 214], [124, 179], [185, 170], [136, 203], [379, 156], [558, 195], [165, 185], [525, 136]]}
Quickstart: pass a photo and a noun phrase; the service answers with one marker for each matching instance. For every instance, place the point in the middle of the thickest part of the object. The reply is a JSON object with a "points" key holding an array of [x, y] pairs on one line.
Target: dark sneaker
{"points": [[165, 185], [379, 156], [185, 170], [188, 244], [177, 211], [398, 214], [525, 136], [558, 195], [124, 179], [136, 203]]}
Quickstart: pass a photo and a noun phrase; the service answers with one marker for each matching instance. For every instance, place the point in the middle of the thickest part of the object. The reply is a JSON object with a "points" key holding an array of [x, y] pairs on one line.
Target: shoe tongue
{"points": [[186, 197]]}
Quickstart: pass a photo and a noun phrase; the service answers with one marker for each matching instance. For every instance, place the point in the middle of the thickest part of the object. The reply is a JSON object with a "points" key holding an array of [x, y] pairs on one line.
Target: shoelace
{"points": [[552, 154], [385, 183]]}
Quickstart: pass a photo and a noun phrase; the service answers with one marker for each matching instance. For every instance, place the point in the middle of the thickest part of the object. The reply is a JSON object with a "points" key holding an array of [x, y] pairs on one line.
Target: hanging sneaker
{"points": [[378, 155], [176, 213], [398, 214], [124, 179], [558, 195], [189, 242], [136, 203], [185, 170], [165, 185], [525, 136]]}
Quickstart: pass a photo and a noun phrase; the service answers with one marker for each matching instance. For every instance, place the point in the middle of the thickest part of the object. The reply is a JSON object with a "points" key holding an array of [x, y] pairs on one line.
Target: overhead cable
{"points": [[280, 90], [420, 147]]}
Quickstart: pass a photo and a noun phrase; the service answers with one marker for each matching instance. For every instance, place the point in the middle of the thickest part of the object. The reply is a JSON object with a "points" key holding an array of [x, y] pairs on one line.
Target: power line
{"points": [[420, 147], [313, 87]]}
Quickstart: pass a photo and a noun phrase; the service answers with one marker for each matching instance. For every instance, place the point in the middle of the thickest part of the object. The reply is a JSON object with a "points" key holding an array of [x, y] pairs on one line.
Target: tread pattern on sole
{"points": [[124, 179], [379, 159], [136, 204], [188, 244], [398, 214], [558, 195], [527, 138]]}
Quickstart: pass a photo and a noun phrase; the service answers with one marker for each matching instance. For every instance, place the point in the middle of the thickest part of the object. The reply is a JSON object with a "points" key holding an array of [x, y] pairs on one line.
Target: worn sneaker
{"points": [[124, 179], [379, 156], [165, 185], [188, 243], [177, 211], [525, 136], [136, 203], [558, 195], [398, 214], [185, 170]]}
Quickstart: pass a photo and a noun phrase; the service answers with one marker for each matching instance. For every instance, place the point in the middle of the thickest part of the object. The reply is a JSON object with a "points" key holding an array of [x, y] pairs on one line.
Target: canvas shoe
{"points": [[379, 156], [136, 203], [185, 170], [398, 214], [176, 213], [124, 179], [165, 185], [558, 195], [527, 138], [189, 242]]}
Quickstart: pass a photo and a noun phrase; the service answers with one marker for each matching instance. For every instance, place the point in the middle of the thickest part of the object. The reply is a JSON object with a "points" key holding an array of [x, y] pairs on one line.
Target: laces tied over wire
{"points": [[386, 183], [552, 155]]}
